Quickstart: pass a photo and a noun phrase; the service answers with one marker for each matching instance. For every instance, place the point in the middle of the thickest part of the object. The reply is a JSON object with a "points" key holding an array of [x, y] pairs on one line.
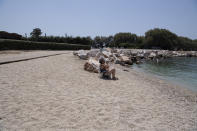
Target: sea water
{"points": [[179, 70]]}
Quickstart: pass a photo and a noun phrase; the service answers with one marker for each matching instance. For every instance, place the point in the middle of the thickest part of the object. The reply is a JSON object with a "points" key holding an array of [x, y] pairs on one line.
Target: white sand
{"points": [[55, 93]]}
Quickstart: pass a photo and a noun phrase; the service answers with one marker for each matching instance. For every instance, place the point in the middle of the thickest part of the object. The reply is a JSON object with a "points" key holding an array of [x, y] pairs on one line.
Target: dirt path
{"points": [[55, 93]]}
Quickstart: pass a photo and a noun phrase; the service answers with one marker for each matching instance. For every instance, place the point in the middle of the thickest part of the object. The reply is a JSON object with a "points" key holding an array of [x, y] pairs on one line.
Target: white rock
{"points": [[75, 52], [152, 54], [82, 55], [93, 53], [92, 65], [124, 58], [106, 54], [94, 62]]}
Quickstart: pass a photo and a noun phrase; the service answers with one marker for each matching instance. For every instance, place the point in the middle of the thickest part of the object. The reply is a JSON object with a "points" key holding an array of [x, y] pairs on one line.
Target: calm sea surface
{"points": [[179, 70]]}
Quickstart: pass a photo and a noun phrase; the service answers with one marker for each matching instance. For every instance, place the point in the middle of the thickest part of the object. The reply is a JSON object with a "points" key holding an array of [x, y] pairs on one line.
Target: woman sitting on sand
{"points": [[104, 68]]}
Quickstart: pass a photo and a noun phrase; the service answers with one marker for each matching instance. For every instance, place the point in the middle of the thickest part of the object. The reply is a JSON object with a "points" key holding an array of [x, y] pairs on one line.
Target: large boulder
{"points": [[152, 54], [78, 52], [114, 51], [92, 65], [106, 54], [82, 54], [140, 55], [126, 60], [107, 49], [113, 58], [92, 53]]}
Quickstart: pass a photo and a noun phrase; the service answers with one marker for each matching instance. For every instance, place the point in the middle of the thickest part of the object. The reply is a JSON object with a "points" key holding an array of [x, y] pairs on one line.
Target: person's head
{"points": [[102, 61]]}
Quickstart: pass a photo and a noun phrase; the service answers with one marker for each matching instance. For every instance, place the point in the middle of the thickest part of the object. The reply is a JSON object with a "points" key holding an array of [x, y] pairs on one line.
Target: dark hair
{"points": [[102, 60]]}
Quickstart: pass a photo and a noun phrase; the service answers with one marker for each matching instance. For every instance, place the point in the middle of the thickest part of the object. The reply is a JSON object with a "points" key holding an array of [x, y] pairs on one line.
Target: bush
{"points": [[31, 45], [6, 35], [124, 38], [161, 38]]}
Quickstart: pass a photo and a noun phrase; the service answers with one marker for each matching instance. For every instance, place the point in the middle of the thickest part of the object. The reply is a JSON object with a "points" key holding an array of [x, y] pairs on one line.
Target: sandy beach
{"points": [[55, 93]]}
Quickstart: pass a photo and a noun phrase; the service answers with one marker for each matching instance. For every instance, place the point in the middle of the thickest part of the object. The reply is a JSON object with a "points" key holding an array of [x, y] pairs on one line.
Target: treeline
{"points": [[165, 39], [6, 35], [153, 39], [38, 42], [36, 36], [66, 39], [8, 44]]}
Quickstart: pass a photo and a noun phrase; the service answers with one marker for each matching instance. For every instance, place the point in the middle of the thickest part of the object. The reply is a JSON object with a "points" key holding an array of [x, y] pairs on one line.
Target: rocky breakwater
{"points": [[126, 57]]}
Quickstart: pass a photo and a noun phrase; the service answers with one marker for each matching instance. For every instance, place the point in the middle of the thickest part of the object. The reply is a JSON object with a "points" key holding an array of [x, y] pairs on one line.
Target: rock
{"points": [[82, 54], [106, 54], [134, 53], [92, 65], [161, 54], [126, 57], [152, 54], [114, 51], [146, 55], [107, 49], [126, 60], [122, 64], [129, 62], [136, 59], [92, 53], [75, 52], [126, 70], [138, 62], [112, 59], [189, 54], [117, 54], [118, 61], [140, 55]]}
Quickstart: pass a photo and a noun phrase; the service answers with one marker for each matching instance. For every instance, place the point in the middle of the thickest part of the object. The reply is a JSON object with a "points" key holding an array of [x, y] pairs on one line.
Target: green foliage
{"points": [[161, 38], [36, 33], [184, 43], [124, 38], [124, 45], [164, 39], [6, 35], [6, 44], [153, 39], [102, 41], [68, 39], [128, 45]]}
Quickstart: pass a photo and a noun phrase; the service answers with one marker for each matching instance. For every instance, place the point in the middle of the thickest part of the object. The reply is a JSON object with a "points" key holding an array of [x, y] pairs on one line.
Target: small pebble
{"points": [[126, 70]]}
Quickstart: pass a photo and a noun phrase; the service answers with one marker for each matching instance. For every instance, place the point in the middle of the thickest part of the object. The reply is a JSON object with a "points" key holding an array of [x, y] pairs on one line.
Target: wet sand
{"points": [[55, 93]]}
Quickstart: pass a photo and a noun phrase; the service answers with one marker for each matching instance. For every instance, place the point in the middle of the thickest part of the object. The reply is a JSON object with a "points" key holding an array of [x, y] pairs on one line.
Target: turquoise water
{"points": [[179, 70]]}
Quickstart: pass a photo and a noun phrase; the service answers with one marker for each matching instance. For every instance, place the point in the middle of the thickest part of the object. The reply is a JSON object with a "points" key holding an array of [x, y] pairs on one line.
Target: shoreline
{"points": [[56, 93], [181, 90], [171, 82]]}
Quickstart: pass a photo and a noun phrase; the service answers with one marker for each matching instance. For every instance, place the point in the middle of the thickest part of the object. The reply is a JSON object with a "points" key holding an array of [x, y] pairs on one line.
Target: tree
{"points": [[6, 35], [195, 41], [185, 43], [124, 38], [100, 41], [36, 33], [161, 38]]}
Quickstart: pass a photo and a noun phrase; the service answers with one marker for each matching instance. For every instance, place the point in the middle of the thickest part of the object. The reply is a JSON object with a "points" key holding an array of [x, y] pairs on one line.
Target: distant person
{"points": [[104, 69]]}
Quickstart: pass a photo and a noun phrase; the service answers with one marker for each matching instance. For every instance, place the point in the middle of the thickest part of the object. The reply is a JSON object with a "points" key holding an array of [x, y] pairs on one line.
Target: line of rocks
{"points": [[126, 56]]}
